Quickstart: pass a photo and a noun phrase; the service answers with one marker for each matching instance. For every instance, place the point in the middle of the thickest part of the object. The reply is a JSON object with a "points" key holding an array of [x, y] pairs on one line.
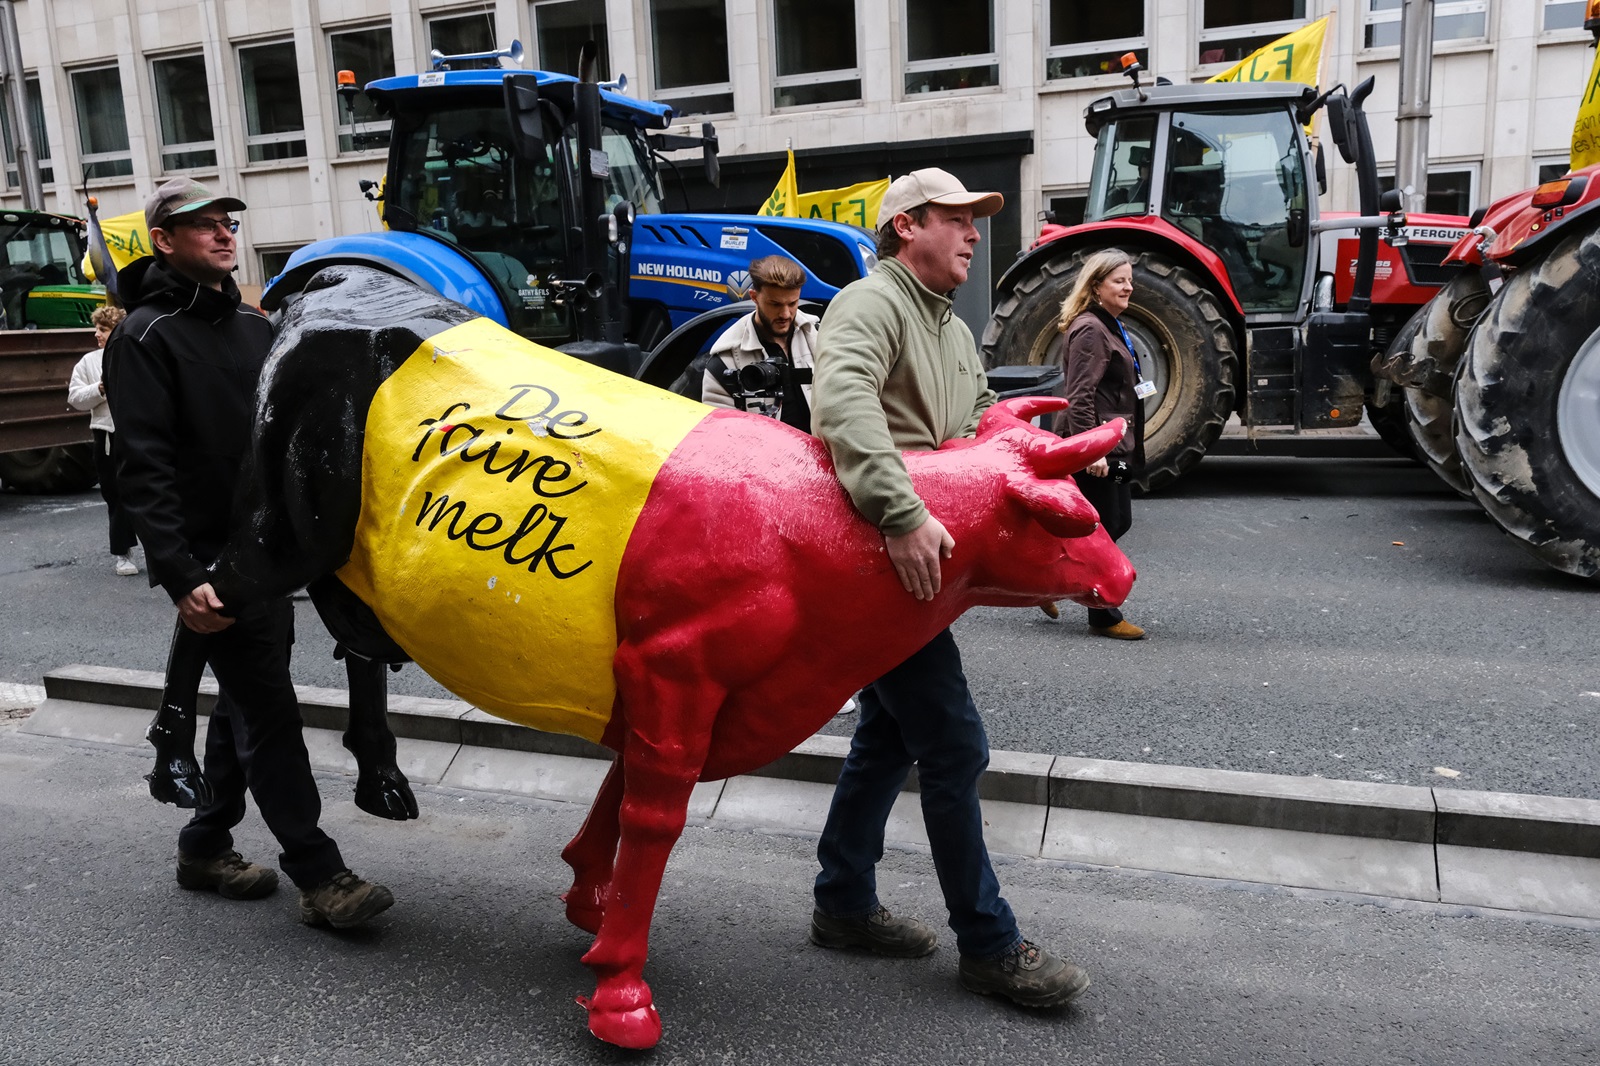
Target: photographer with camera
{"points": [[1104, 381], [766, 357]]}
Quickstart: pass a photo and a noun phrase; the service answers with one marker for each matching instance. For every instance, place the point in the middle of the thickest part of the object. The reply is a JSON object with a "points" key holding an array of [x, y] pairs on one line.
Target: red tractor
{"points": [[1245, 301]]}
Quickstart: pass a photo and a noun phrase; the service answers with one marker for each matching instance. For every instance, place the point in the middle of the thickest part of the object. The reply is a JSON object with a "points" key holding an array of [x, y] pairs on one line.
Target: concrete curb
{"points": [[1522, 852]]}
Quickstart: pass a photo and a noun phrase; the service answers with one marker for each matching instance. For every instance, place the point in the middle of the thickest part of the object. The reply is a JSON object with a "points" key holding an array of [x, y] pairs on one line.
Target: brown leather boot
{"points": [[344, 900], [1123, 630], [228, 874]]}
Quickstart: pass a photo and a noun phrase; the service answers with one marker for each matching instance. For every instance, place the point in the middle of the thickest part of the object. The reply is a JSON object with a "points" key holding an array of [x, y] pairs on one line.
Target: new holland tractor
{"points": [[534, 199], [1245, 301], [1501, 370]]}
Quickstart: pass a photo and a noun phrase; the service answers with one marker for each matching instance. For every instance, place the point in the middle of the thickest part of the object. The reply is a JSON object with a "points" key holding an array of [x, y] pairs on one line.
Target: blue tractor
{"points": [[534, 199]]}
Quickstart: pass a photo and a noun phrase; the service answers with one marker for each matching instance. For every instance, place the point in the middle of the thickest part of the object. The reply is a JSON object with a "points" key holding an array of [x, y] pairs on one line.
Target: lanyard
{"points": [[1129, 342]]}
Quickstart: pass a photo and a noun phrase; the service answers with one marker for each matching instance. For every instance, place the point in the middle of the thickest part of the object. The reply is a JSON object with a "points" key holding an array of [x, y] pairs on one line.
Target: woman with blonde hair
{"points": [[1104, 381]]}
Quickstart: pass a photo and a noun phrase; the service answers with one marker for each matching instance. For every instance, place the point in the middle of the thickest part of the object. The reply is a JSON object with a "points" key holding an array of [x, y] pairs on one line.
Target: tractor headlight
{"points": [[869, 258]]}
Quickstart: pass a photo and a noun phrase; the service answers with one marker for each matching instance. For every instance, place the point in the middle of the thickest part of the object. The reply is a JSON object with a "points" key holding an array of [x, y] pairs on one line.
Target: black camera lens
{"points": [[765, 376]]}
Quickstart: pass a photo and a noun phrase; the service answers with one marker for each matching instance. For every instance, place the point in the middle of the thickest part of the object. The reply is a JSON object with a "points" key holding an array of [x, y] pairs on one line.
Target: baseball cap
{"points": [[934, 186], [180, 195]]}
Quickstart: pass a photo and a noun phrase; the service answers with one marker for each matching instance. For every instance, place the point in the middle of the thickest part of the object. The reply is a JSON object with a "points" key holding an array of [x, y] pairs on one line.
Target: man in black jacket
{"points": [[181, 376]]}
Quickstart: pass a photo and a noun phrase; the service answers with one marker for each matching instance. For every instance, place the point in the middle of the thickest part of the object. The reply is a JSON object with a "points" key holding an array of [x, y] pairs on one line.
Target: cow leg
{"points": [[669, 732], [177, 778], [592, 854], [381, 789]]}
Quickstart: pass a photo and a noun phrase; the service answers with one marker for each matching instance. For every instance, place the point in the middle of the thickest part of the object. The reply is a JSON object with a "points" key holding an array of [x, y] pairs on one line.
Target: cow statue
{"points": [[582, 553]]}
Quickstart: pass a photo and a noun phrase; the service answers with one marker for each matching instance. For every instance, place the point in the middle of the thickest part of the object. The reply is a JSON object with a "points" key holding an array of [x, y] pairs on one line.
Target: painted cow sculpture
{"points": [[582, 553]]}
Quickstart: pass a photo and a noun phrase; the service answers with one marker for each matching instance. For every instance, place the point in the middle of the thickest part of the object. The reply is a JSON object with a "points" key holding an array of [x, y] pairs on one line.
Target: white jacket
{"points": [[740, 345], [83, 391]]}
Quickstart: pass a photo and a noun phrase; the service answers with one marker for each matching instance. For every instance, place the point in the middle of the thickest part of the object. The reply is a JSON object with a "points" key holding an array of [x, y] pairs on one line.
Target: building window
{"points": [[1550, 169], [815, 46], [275, 124], [1232, 29], [273, 260], [1563, 14], [1066, 208], [950, 45], [370, 54], [561, 28], [102, 124], [1090, 39], [689, 45], [459, 35], [183, 107], [1453, 20], [41, 141], [1450, 192]]}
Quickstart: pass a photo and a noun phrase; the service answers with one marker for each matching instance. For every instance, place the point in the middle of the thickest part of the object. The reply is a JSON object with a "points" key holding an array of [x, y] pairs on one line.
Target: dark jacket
{"points": [[1100, 383], [180, 375]]}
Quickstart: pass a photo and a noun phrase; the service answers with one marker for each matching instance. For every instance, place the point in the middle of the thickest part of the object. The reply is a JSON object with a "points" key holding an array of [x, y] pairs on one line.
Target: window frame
{"points": [[32, 90], [909, 66], [1116, 45], [255, 140], [431, 18], [689, 92], [1539, 162], [357, 128], [163, 149], [1561, 33], [1470, 167], [820, 77], [544, 61], [1441, 8], [87, 158]]}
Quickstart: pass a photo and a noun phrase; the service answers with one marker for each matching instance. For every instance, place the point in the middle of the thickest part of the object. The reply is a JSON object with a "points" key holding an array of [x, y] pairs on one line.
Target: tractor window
{"points": [[630, 178], [461, 181], [47, 257], [1236, 182], [1121, 181]]}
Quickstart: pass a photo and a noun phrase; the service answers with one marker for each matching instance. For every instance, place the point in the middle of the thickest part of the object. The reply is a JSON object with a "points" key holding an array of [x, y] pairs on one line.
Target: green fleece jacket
{"points": [[896, 371]]}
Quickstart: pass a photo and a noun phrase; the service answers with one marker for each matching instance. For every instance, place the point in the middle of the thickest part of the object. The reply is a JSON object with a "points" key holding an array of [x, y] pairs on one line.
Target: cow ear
{"points": [[1058, 506], [1020, 411]]}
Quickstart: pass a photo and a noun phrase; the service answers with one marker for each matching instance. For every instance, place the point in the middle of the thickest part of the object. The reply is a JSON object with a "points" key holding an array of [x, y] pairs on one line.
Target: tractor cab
{"points": [[41, 278], [1228, 166], [460, 174]]}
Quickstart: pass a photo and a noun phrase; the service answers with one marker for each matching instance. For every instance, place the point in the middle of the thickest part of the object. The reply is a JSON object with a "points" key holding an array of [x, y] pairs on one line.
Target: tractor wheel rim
{"points": [[1578, 413]]}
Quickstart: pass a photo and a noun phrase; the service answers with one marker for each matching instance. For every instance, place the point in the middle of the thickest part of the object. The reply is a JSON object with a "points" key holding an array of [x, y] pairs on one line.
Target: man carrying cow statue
{"points": [[181, 375], [897, 371]]}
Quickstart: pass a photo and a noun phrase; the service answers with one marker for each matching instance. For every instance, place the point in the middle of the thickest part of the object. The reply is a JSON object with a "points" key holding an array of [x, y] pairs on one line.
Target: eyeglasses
{"points": [[229, 224]]}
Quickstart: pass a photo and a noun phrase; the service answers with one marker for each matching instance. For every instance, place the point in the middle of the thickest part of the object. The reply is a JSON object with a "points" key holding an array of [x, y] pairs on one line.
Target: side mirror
{"points": [[524, 118], [1320, 166], [708, 137], [1339, 126]]}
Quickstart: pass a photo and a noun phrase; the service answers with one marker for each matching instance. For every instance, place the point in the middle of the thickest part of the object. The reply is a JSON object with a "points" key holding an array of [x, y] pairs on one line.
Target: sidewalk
{"points": [[1528, 853]]}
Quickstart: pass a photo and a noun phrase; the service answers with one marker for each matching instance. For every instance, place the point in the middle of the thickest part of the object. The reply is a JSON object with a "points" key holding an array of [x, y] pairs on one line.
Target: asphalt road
{"points": [[103, 959], [1289, 633]]}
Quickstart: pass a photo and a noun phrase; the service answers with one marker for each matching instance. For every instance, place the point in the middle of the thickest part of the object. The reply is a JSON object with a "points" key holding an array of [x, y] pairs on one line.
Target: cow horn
{"points": [[1019, 411], [1058, 506], [1058, 458]]}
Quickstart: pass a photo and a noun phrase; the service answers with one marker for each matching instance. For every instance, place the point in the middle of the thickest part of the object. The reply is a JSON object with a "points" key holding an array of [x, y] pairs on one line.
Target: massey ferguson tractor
{"points": [[1245, 301], [533, 198], [1501, 370]]}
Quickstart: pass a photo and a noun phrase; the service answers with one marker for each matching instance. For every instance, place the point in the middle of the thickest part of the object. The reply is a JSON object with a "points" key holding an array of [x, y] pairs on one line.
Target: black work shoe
{"points": [[230, 875], [1027, 974], [344, 900], [878, 932]]}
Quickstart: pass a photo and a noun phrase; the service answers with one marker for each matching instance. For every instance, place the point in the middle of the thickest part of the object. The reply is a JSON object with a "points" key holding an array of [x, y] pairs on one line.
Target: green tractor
{"points": [[42, 285]]}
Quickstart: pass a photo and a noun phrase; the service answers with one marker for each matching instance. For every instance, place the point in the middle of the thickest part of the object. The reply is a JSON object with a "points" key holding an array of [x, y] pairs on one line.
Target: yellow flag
{"points": [[1586, 130], [126, 240], [785, 199], [1295, 56], [857, 205]]}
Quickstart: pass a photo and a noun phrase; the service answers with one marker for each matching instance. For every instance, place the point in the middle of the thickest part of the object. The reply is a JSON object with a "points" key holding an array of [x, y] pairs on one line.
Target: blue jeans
{"points": [[920, 712]]}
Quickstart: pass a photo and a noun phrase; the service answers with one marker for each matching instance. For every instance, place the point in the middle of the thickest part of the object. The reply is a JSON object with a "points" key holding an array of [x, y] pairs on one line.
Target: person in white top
{"points": [[776, 339], [87, 392]]}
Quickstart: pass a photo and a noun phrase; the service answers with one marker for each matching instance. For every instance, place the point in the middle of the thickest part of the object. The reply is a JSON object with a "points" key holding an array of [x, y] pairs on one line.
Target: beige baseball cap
{"points": [[934, 186], [180, 195]]}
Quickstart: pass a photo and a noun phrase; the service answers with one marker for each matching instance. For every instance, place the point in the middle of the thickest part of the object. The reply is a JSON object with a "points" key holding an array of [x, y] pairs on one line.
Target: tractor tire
{"points": [[50, 471], [1446, 326], [1389, 421], [1183, 336], [1528, 407]]}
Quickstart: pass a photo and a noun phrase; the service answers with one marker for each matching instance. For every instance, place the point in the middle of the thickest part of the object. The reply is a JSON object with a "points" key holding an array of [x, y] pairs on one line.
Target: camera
{"points": [[763, 378]]}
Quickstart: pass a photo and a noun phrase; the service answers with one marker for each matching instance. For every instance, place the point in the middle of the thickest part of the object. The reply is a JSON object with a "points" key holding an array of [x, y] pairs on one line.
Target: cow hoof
{"points": [[386, 794], [180, 783], [584, 909], [638, 1028]]}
